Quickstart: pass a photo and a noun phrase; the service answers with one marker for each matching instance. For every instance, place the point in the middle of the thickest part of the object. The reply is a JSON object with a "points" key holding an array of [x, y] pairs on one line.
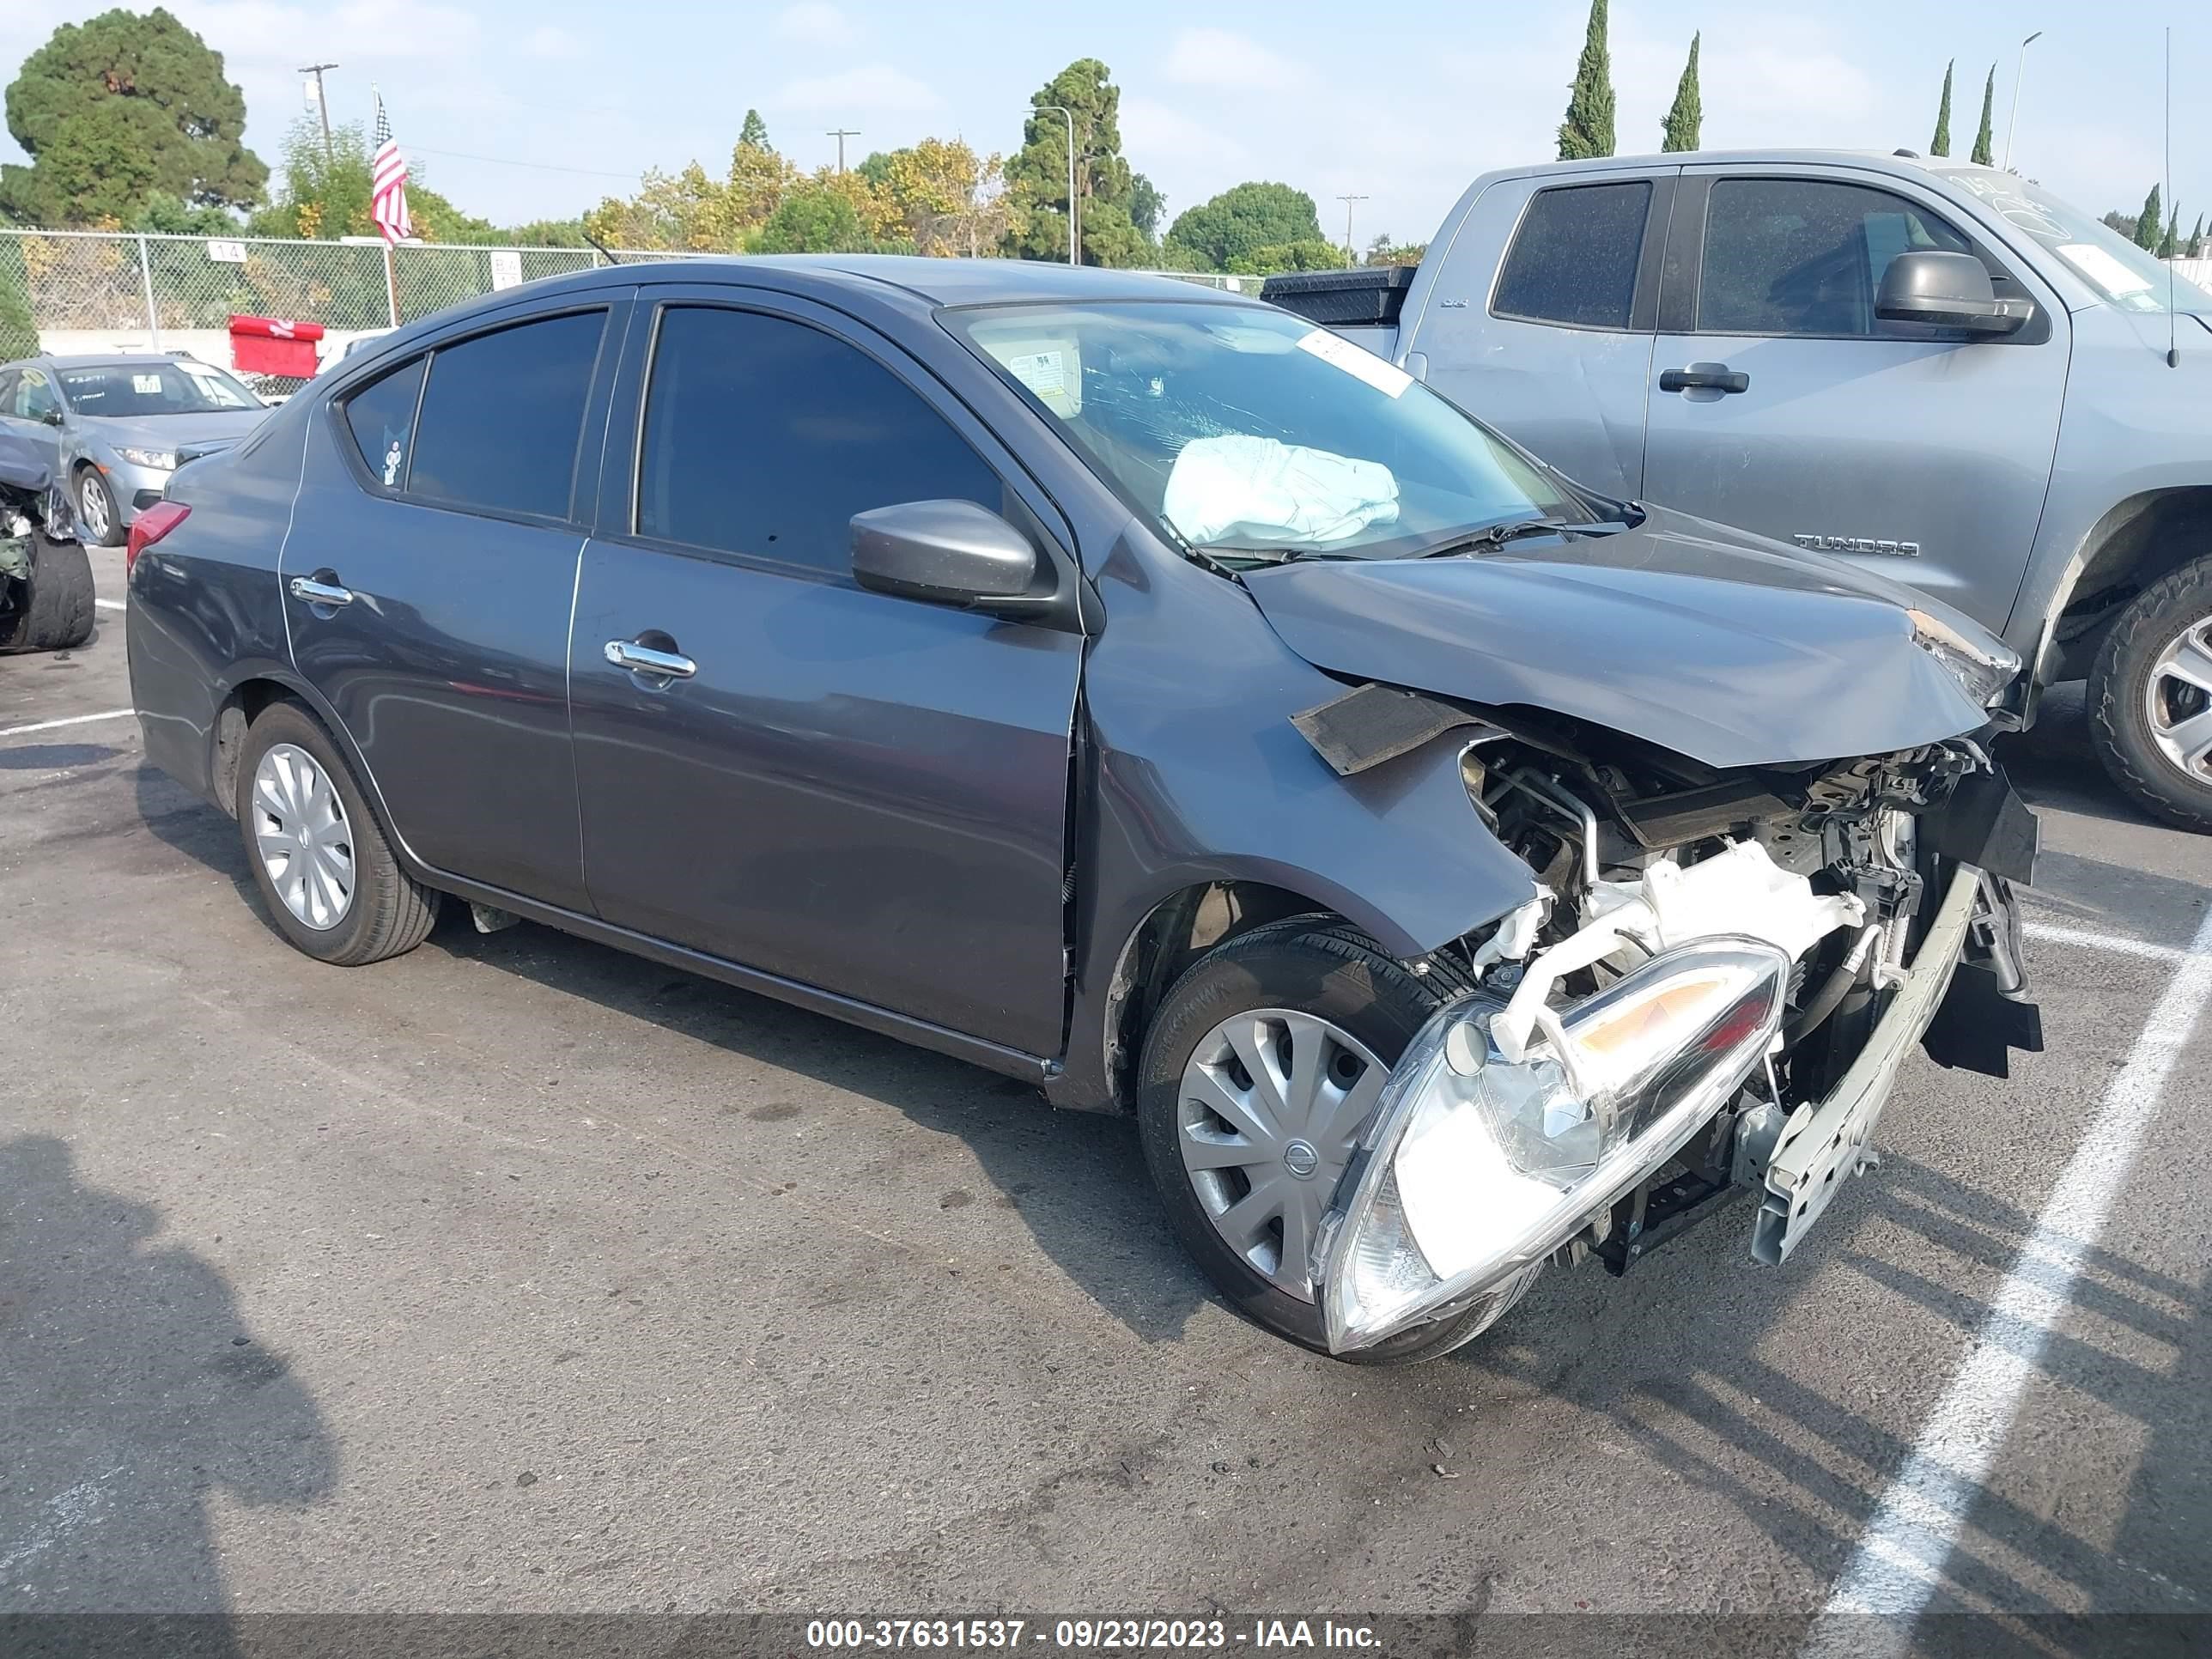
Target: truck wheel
{"points": [[97, 515], [326, 874], [61, 613], [2150, 697], [1260, 1068]]}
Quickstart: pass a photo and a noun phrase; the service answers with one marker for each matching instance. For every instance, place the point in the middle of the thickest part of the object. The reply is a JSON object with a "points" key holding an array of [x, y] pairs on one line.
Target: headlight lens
{"points": [[1981, 673], [1476, 1169], [163, 460]]}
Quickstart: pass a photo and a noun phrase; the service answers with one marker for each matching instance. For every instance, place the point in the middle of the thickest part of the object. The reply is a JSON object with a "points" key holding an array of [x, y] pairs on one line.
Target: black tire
{"points": [[61, 613], [390, 913], [89, 478], [1316, 964], [2118, 693]]}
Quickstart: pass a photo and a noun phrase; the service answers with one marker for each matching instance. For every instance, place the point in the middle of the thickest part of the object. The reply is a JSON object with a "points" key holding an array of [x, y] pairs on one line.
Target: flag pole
{"points": [[391, 273]]}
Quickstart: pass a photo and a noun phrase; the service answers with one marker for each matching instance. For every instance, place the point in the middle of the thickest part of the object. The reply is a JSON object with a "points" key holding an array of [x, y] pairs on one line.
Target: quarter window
{"points": [[764, 437], [1803, 256], [1574, 258], [503, 416], [382, 417]]}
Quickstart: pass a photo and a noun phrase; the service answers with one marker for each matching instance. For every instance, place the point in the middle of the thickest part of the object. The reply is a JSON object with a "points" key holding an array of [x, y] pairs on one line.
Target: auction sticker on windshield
{"points": [[1355, 361]]}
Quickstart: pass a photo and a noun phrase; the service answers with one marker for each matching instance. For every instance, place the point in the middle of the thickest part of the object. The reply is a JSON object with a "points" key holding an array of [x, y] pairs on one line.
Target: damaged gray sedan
{"points": [[1136, 692]]}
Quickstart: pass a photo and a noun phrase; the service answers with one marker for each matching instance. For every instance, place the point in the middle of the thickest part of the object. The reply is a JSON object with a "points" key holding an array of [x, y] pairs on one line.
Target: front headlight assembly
{"points": [[161, 460], [1474, 1169]]}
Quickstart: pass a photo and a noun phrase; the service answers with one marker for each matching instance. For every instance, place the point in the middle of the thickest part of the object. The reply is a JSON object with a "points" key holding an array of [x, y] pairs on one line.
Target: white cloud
{"points": [[1228, 61], [869, 88], [551, 41], [815, 24], [1158, 135]]}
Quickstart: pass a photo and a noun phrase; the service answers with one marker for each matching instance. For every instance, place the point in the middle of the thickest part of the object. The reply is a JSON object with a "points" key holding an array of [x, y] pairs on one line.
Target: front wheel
{"points": [[97, 515], [2150, 697], [61, 613], [1261, 1068]]}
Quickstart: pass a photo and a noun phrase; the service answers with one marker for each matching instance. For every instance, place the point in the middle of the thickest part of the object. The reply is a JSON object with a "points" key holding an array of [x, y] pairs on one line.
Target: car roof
{"points": [[1880, 159], [106, 360]]}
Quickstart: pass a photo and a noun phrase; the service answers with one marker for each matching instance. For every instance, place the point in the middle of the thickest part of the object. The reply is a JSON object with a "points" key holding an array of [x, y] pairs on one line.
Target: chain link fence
{"points": [[94, 291]]}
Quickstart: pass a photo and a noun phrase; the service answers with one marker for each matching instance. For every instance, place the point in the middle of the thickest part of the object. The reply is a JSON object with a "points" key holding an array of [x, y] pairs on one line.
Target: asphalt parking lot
{"points": [[517, 1275]]}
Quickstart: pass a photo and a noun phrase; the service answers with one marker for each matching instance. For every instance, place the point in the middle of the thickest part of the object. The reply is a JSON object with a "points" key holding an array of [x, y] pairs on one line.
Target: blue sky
{"points": [[1402, 104]]}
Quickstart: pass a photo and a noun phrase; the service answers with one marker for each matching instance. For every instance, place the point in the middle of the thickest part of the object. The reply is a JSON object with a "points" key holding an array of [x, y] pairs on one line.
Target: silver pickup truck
{"points": [[1937, 370]]}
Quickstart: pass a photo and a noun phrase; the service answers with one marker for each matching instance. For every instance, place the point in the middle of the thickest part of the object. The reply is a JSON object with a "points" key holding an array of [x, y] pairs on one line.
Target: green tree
{"points": [[1384, 251], [754, 132], [114, 109], [1688, 115], [2196, 240], [323, 196], [1036, 173], [19, 332], [1147, 206], [1225, 231], [1984, 156], [812, 220], [1307, 253], [1941, 144], [2150, 221], [2173, 232], [546, 233], [1588, 130]]}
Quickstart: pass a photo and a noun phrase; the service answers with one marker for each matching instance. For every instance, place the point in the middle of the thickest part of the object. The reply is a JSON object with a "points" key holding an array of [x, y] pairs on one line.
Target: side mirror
{"points": [[51, 415], [1947, 290], [943, 553]]}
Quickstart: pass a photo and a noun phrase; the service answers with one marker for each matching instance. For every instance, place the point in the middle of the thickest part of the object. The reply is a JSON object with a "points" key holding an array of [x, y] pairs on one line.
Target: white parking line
{"points": [[1904, 1551], [2119, 944], [74, 719], [110, 604]]}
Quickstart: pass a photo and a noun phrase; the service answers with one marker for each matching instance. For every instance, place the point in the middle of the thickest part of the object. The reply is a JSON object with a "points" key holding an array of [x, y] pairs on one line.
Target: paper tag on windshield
{"points": [[1357, 361], [1044, 373], [2102, 269], [146, 385]]}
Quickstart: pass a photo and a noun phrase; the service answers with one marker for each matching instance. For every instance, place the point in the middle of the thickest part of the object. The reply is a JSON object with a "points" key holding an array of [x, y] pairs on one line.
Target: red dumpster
{"points": [[274, 346]]}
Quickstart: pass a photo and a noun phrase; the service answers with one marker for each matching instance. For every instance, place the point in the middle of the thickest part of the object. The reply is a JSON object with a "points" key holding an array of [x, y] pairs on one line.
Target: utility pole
{"points": [[322, 108], [841, 134], [1350, 257], [1074, 241], [2013, 121]]}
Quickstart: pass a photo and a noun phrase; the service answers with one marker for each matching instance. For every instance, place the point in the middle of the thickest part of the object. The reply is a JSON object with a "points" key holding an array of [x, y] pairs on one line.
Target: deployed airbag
{"points": [[1247, 489]]}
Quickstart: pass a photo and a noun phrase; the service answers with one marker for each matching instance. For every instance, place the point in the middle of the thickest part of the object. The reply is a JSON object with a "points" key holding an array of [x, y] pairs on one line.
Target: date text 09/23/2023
{"points": [[1100, 1635]]}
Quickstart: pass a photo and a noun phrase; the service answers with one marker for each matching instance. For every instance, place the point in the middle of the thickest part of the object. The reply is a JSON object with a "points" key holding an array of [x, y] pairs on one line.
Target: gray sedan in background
{"points": [[114, 428]]}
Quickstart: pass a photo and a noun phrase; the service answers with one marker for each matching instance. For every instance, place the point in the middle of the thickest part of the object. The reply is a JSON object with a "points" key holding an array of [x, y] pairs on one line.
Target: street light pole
{"points": [[322, 106], [1350, 257], [1074, 258], [2012, 122]]}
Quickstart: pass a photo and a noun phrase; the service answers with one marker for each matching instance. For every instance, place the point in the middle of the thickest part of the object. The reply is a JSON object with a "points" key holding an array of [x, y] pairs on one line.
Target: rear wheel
{"points": [[1262, 1065], [97, 515], [61, 613], [326, 872], [2150, 697]]}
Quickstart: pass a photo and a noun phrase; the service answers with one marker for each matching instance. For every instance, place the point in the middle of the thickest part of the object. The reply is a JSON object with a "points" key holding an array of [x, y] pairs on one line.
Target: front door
{"points": [[31, 408], [428, 582], [858, 793], [1780, 404]]}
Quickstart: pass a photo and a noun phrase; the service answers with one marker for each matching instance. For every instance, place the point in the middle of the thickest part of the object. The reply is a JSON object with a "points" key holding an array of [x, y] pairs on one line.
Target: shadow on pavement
{"points": [[133, 1393]]}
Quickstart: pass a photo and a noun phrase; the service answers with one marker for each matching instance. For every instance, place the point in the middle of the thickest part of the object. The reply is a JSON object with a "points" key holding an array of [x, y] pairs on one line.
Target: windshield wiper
{"points": [[1497, 535]]}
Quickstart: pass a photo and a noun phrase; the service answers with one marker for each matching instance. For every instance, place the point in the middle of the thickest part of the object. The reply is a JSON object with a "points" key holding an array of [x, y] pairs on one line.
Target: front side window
{"points": [[1243, 430], [382, 416], [764, 437], [1574, 258], [1805, 256], [503, 416], [34, 396], [156, 386]]}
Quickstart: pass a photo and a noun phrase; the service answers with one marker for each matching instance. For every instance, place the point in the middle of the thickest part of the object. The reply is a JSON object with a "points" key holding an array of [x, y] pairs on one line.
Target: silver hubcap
{"points": [[2178, 700], [1272, 1102], [93, 501], [300, 829]]}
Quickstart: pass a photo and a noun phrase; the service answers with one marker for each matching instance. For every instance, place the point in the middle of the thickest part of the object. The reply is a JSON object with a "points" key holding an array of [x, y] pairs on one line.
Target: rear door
{"points": [[427, 579], [1923, 455], [862, 793], [1552, 344]]}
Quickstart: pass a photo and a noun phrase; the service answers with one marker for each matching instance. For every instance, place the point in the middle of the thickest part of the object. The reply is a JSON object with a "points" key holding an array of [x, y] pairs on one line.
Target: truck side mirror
{"points": [[1947, 290]]}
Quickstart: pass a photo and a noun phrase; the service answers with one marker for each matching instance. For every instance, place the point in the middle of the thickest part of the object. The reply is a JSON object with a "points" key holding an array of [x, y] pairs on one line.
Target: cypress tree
{"points": [[2173, 232], [2149, 221], [1941, 144], [1688, 115], [1984, 156], [2196, 239], [1588, 130]]}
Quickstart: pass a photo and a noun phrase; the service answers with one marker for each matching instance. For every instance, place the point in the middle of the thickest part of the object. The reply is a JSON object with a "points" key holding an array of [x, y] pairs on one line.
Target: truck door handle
{"points": [[644, 660], [1708, 377], [312, 592]]}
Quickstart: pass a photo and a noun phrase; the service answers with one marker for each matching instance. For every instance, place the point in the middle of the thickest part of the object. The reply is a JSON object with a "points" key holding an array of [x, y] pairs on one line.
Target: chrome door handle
{"points": [[644, 660], [312, 592]]}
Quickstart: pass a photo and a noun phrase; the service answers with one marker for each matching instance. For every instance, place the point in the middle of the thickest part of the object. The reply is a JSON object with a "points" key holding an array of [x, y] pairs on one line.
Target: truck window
{"points": [[1802, 256], [1573, 260]]}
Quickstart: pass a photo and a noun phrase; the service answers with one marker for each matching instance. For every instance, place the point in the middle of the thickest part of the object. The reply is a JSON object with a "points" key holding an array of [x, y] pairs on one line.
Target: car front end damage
{"points": [[1710, 994]]}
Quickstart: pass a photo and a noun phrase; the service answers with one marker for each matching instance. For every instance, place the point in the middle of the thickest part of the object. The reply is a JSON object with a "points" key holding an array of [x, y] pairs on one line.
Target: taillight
{"points": [[149, 526]]}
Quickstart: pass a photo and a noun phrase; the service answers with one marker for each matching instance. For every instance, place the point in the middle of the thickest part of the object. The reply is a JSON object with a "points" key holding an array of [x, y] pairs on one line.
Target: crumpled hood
{"points": [[1729, 648], [215, 427]]}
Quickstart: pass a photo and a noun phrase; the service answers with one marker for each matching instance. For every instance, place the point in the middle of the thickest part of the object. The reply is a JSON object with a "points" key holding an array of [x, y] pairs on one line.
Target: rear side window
{"points": [[763, 436], [1573, 261], [1803, 256], [382, 418], [503, 416]]}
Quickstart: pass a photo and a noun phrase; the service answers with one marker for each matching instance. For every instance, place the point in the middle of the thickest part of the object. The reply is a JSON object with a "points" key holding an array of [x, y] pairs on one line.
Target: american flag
{"points": [[388, 202]]}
